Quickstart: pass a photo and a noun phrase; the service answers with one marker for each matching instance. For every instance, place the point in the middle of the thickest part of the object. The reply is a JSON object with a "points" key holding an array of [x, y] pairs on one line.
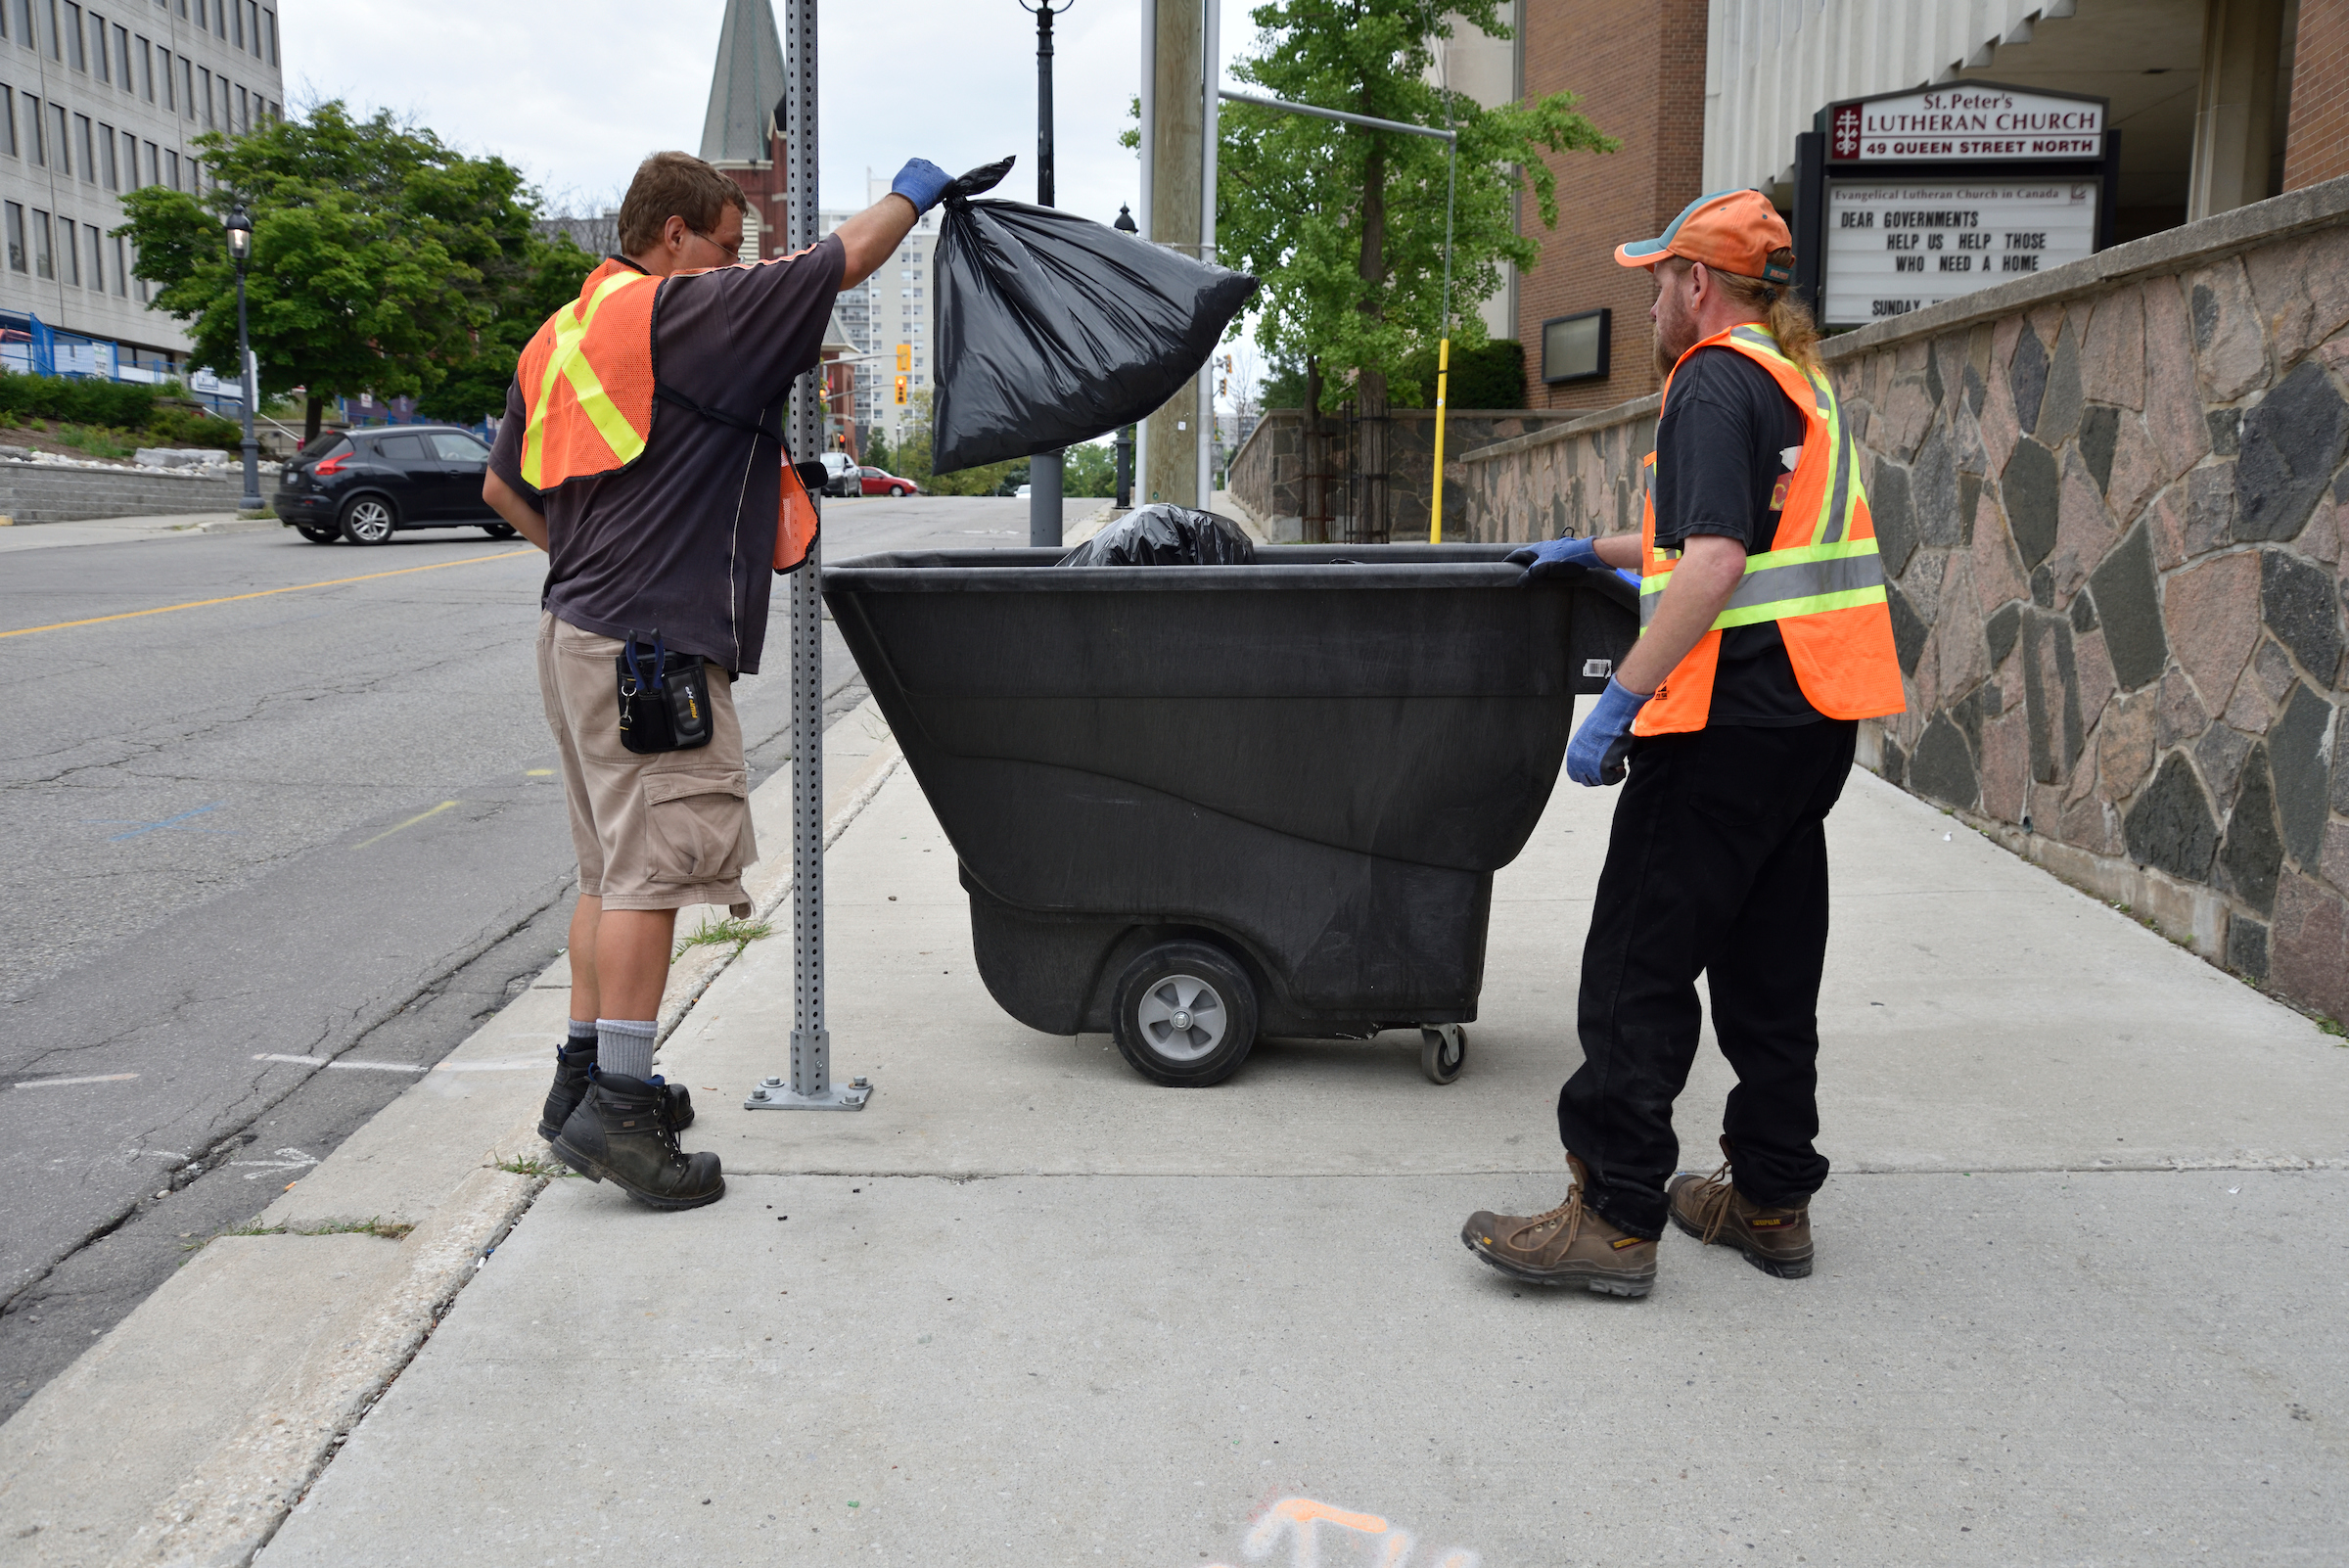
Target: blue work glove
{"points": [[1551, 557], [922, 183], [1595, 753]]}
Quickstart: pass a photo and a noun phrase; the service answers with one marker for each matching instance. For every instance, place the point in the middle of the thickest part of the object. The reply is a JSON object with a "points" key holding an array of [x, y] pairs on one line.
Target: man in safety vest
{"points": [[642, 450], [1765, 637]]}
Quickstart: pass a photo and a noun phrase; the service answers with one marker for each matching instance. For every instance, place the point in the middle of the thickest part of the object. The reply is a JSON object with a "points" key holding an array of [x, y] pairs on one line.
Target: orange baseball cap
{"points": [[1735, 230]]}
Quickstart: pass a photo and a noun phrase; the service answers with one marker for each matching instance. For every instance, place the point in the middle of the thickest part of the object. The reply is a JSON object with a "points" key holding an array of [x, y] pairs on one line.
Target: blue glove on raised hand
{"points": [[1552, 557], [922, 183], [1595, 755]]}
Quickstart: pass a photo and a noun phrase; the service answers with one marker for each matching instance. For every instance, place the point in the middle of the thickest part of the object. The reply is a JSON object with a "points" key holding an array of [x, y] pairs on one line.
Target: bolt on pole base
{"points": [[773, 1094]]}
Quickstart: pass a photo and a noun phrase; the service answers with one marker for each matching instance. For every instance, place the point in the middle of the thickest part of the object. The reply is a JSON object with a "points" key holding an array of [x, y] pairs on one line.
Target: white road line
{"points": [[60, 1082], [534, 1064]]}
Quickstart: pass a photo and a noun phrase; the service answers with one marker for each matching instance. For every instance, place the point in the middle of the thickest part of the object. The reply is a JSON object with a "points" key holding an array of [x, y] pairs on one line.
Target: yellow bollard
{"points": [[1435, 513]]}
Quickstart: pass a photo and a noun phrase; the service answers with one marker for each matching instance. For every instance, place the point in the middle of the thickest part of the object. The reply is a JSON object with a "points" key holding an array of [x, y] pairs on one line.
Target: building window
{"points": [[33, 120], [220, 18], [146, 68], [187, 87], [44, 263], [1576, 348], [183, 8], [90, 232], [154, 165], [67, 242], [236, 12], [98, 55], [106, 161], [122, 57], [171, 169], [58, 148], [270, 25], [8, 120], [130, 161], [243, 115], [122, 271], [203, 80], [15, 212], [89, 154], [73, 52]]}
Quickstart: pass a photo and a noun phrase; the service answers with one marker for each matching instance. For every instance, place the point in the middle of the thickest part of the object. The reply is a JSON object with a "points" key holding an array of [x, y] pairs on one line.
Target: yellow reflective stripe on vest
{"points": [[570, 361], [1781, 583], [1834, 521]]}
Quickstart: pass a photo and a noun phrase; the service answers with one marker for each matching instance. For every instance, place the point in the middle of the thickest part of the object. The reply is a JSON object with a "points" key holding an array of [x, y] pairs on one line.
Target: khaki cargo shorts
{"points": [[653, 832]]}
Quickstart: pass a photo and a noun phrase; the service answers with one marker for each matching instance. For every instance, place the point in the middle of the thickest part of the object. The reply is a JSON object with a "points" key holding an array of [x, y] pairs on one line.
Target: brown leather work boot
{"points": [[1571, 1245], [1776, 1241]]}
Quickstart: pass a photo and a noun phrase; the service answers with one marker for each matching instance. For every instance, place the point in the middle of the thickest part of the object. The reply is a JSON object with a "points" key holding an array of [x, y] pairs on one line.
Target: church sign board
{"points": [[1910, 198]]}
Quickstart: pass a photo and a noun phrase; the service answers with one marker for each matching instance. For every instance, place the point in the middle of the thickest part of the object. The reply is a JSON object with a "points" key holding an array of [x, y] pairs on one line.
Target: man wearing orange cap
{"points": [[1765, 637]]}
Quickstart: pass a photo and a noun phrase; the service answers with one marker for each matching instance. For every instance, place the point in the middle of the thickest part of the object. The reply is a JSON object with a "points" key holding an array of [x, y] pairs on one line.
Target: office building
{"points": [[97, 101]]}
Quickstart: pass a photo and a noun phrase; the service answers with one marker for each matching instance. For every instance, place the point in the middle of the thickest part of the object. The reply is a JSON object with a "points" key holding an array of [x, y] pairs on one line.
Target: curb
{"points": [[263, 1443]]}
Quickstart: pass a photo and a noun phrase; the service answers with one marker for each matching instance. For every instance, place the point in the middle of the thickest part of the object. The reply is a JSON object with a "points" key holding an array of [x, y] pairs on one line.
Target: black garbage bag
{"points": [[1054, 329], [1165, 535]]}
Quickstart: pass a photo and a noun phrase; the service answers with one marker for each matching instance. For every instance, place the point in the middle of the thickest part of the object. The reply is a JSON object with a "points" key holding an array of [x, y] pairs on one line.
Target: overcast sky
{"points": [[576, 92]]}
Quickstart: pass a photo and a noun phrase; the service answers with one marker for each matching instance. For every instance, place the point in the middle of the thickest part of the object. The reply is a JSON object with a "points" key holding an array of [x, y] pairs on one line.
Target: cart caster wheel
{"points": [[1443, 1051], [1186, 1015]]}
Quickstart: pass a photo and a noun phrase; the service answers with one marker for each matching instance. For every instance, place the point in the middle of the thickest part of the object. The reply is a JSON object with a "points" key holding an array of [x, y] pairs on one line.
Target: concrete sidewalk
{"points": [[2079, 1296]]}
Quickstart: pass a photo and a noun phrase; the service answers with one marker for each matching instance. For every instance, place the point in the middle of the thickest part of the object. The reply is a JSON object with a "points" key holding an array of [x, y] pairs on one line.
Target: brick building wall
{"points": [[2316, 147], [1639, 71]]}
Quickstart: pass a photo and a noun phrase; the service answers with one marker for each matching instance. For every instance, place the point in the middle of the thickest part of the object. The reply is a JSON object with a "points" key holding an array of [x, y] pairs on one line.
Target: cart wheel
{"points": [[1443, 1051], [1186, 1015]]}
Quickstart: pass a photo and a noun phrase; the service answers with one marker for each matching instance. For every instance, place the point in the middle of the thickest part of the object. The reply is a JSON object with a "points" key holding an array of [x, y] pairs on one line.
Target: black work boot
{"points": [[623, 1130], [575, 1063], [1776, 1241]]}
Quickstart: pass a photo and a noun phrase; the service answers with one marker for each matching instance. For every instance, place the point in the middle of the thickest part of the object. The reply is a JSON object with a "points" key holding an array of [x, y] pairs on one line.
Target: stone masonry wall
{"points": [[2111, 502], [1268, 473]]}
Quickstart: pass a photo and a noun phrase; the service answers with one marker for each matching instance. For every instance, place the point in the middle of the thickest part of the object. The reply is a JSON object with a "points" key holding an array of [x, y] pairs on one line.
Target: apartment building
{"points": [[100, 100]]}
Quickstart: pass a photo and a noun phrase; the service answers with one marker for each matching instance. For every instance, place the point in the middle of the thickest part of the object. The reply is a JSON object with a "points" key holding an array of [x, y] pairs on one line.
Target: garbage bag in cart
{"points": [[1194, 804]]}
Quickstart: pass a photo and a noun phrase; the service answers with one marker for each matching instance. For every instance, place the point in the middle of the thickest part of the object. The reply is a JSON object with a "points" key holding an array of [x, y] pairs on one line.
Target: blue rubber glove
{"points": [[1596, 754], [922, 183], [1551, 557]]}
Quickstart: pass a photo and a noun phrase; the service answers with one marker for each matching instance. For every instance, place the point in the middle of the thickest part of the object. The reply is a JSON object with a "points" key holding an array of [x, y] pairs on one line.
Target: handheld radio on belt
{"points": [[664, 697]]}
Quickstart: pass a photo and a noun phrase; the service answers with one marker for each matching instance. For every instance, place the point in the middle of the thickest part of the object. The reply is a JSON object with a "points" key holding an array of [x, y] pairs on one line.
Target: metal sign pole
{"points": [[810, 1085]]}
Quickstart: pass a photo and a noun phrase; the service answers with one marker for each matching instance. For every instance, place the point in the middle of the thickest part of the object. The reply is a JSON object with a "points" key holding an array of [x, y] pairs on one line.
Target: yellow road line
{"points": [[409, 823], [263, 593]]}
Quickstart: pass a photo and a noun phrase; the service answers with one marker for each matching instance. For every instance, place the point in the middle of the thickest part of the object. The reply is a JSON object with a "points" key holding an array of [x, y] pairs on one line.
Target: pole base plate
{"points": [[775, 1095]]}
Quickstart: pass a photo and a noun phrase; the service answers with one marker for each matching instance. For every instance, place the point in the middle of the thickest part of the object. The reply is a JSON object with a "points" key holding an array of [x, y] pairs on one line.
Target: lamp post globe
{"points": [[239, 226]]}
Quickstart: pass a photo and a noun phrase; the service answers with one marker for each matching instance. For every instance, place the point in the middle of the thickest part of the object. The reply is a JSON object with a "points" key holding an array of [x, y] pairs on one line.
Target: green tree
{"points": [[1344, 225], [383, 261], [877, 454], [1091, 470]]}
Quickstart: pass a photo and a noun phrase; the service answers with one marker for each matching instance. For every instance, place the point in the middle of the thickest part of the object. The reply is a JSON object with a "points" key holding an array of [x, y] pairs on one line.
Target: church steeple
{"points": [[744, 88]]}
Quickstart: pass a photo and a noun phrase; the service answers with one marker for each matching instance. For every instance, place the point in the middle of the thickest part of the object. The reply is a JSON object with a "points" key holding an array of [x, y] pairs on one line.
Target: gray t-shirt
{"points": [[683, 541]]}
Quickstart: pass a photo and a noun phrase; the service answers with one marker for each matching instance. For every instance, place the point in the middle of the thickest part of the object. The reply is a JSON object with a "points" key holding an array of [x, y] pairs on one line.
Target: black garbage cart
{"points": [[1198, 803]]}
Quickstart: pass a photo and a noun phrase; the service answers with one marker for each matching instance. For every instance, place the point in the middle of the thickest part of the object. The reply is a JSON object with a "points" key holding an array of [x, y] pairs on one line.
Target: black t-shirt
{"points": [[683, 540], [1725, 449]]}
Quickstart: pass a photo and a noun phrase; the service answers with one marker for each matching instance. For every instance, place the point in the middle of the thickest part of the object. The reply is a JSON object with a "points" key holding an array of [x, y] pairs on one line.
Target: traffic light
{"points": [[905, 361], [901, 390]]}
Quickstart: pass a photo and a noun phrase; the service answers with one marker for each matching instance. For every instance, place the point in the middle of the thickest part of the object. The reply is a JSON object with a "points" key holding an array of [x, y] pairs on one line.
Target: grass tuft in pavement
{"points": [[726, 933]]}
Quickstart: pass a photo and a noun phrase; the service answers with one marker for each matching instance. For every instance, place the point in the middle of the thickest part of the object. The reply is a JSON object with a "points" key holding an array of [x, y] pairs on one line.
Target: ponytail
{"points": [[1787, 318]]}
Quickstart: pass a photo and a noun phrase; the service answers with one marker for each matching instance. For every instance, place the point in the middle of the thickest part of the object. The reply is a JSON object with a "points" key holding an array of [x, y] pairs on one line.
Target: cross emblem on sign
{"points": [[1847, 132]]}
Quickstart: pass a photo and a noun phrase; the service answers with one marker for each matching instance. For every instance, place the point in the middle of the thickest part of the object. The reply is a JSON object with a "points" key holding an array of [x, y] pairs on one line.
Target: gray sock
{"points": [[625, 1045], [581, 1033]]}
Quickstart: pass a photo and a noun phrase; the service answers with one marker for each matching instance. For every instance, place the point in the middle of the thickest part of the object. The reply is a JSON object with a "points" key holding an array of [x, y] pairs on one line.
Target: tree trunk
{"points": [[1315, 500], [311, 418], [1370, 382]]}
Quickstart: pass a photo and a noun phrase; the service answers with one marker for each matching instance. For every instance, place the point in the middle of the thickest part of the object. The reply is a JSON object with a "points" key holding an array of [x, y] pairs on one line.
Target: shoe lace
{"points": [[1712, 1202], [1570, 1214]]}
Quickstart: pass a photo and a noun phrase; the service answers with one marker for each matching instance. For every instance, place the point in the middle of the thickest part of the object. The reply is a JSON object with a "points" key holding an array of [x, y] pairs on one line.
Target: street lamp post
{"points": [[1044, 469], [240, 251]]}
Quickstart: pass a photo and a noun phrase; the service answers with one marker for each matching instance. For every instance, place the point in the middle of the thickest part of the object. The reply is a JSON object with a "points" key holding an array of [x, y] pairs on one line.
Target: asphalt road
{"points": [[313, 820]]}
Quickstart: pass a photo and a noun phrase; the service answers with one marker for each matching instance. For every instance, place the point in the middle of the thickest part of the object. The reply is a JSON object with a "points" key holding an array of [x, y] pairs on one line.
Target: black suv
{"points": [[366, 484]]}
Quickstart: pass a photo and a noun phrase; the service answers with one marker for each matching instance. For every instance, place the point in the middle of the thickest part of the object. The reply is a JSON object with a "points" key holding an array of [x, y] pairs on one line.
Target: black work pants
{"points": [[1716, 866]]}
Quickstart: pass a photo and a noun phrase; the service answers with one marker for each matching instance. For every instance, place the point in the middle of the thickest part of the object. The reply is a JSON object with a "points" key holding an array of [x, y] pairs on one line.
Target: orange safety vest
{"points": [[1821, 580], [588, 391]]}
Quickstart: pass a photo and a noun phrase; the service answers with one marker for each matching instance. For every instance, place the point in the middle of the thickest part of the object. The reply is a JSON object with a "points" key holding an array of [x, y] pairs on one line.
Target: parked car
{"points": [[840, 474], [365, 485], [1021, 493], [878, 481]]}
